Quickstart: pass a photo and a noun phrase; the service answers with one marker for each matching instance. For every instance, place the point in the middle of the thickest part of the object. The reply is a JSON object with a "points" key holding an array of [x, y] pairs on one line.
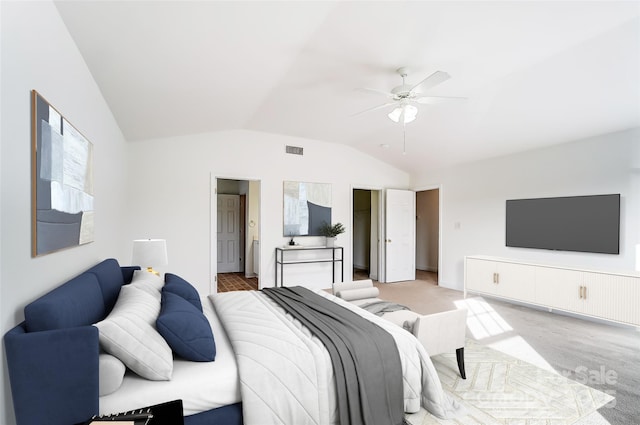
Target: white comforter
{"points": [[286, 374]]}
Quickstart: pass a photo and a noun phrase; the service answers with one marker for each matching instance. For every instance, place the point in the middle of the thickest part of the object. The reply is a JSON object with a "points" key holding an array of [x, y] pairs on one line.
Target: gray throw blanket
{"points": [[381, 307], [365, 358]]}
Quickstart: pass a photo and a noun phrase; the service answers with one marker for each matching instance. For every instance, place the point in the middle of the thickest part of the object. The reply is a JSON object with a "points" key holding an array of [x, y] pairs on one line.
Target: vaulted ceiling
{"points": [[534, 73]]}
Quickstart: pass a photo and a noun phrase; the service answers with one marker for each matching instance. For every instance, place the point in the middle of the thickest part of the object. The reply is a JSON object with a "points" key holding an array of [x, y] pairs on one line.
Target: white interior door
{"points": [[400, 238], [228, 234]]}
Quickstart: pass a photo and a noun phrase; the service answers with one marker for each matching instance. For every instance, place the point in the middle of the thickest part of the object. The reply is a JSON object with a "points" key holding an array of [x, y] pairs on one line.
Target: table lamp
{"points": [[150, 252]]}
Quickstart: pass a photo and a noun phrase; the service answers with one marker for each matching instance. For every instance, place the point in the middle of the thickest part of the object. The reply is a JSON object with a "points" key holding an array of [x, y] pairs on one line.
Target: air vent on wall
{"points": [[295, 150]]}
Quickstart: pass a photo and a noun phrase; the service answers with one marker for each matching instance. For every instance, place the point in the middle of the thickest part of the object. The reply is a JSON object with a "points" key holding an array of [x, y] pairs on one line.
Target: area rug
{"points": [[501, 389]]}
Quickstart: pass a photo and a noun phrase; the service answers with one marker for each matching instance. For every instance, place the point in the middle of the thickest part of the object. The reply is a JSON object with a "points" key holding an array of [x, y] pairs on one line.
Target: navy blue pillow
{"points": [[177, 285], [186, 330]]}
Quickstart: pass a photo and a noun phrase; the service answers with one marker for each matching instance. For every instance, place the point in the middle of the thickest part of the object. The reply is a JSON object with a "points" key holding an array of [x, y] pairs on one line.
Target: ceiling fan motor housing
{"points": [[402, 92]]}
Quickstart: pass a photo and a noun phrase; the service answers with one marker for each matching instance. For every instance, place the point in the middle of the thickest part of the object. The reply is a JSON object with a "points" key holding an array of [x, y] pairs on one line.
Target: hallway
{"points": [[236, 282]]}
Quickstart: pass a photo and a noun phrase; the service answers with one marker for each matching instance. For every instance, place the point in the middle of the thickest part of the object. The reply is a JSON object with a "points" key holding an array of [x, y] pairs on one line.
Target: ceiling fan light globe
{"points": [[404, 113], [410, 113], [395, 114]]}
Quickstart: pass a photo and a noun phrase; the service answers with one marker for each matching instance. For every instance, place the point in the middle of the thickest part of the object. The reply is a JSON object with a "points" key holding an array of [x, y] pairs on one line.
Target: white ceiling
{"points": [[535, 73]]}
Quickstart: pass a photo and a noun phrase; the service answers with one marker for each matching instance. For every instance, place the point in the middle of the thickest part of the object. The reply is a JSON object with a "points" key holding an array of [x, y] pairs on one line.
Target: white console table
{"points": [[604, 295], [282, 260]]}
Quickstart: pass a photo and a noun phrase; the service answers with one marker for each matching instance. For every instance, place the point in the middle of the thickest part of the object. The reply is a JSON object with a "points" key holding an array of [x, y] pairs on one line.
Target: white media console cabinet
{"points": [[604, 295]]}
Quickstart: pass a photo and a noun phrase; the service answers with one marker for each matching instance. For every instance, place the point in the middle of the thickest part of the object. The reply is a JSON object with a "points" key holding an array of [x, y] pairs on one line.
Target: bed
{"points": [[55, 369]]}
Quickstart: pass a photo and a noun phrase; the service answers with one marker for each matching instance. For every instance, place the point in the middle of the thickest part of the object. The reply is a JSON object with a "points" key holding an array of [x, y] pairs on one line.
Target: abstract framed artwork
{"points": [[62, 181], [306, 207]]}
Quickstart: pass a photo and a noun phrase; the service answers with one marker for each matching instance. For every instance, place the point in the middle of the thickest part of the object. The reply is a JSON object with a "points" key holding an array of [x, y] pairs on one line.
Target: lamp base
{"points": [[150, 270]]}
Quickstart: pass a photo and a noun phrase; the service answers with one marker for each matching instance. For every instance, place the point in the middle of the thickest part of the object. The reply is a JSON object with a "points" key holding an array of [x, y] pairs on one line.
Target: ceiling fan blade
{"points": [[432, 80], [375, 108], [376, 91], [431, 100]]}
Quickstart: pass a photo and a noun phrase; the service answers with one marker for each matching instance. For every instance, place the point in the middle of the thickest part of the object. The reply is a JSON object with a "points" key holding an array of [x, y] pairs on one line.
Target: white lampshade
{"points": [[150, 253], [405, 113]]}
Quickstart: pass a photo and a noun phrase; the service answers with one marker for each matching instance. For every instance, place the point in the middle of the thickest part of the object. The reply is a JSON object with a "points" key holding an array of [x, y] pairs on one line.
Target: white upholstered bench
{"points": [[439, 332]]}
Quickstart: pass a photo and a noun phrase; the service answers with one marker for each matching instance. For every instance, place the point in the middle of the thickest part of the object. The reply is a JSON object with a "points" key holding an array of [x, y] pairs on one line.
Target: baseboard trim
{"points": [[553, 310]]}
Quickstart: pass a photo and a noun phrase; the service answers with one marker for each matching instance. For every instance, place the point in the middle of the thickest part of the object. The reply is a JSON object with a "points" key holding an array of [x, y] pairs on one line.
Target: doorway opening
{"points": [[236, 251], [236, 282], [428, 235], [366, 236]]}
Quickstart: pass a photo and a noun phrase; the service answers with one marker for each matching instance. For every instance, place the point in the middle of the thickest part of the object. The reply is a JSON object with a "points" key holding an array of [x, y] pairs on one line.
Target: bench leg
{"points": [[460, 358]]}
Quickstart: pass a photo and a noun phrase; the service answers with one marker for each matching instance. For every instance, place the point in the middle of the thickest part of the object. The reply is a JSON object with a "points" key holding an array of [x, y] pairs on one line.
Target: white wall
{"points": [[38, 53], [171, 194], [474, 195]]}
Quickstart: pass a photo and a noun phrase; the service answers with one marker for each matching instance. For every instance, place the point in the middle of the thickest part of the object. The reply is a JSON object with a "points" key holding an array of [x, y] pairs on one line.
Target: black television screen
{"points": [[577, 223]]}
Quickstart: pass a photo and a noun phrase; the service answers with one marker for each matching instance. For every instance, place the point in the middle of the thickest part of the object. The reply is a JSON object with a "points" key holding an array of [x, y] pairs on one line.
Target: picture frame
{"points": [[62, 181], [307, 206]]}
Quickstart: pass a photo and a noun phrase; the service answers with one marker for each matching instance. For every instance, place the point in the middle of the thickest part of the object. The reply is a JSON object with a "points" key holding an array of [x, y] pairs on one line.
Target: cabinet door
{"points": [[516, 281], [629, 288], [480, 275], [558, 288], [611, 297]]}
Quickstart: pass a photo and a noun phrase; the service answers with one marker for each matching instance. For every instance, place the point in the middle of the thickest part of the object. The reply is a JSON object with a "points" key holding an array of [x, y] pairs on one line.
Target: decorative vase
{"points": [[330, 242]]}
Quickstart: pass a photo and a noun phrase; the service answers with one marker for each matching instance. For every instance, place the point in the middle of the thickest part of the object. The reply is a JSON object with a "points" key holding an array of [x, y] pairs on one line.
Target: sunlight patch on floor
{"points": [[517, 347], [482, 320]]}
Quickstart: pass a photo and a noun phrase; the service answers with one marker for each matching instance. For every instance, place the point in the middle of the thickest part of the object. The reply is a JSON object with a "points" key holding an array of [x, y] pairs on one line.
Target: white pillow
{"points": [[148, 282], [111, 373], [129, 334], [403, 318], [358, 294]]}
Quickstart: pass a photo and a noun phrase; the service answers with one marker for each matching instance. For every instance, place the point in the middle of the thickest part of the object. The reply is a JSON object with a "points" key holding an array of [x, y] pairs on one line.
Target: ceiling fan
{"points": [[405, 97]]}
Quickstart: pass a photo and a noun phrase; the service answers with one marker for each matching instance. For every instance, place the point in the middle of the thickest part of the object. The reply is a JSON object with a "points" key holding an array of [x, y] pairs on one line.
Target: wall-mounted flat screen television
{"points": [[577, 223]]}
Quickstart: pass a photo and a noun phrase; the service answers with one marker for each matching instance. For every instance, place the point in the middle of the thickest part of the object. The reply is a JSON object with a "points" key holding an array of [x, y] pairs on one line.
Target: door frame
{"points": [[440, 220], [213, 219], [381, 246]]}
